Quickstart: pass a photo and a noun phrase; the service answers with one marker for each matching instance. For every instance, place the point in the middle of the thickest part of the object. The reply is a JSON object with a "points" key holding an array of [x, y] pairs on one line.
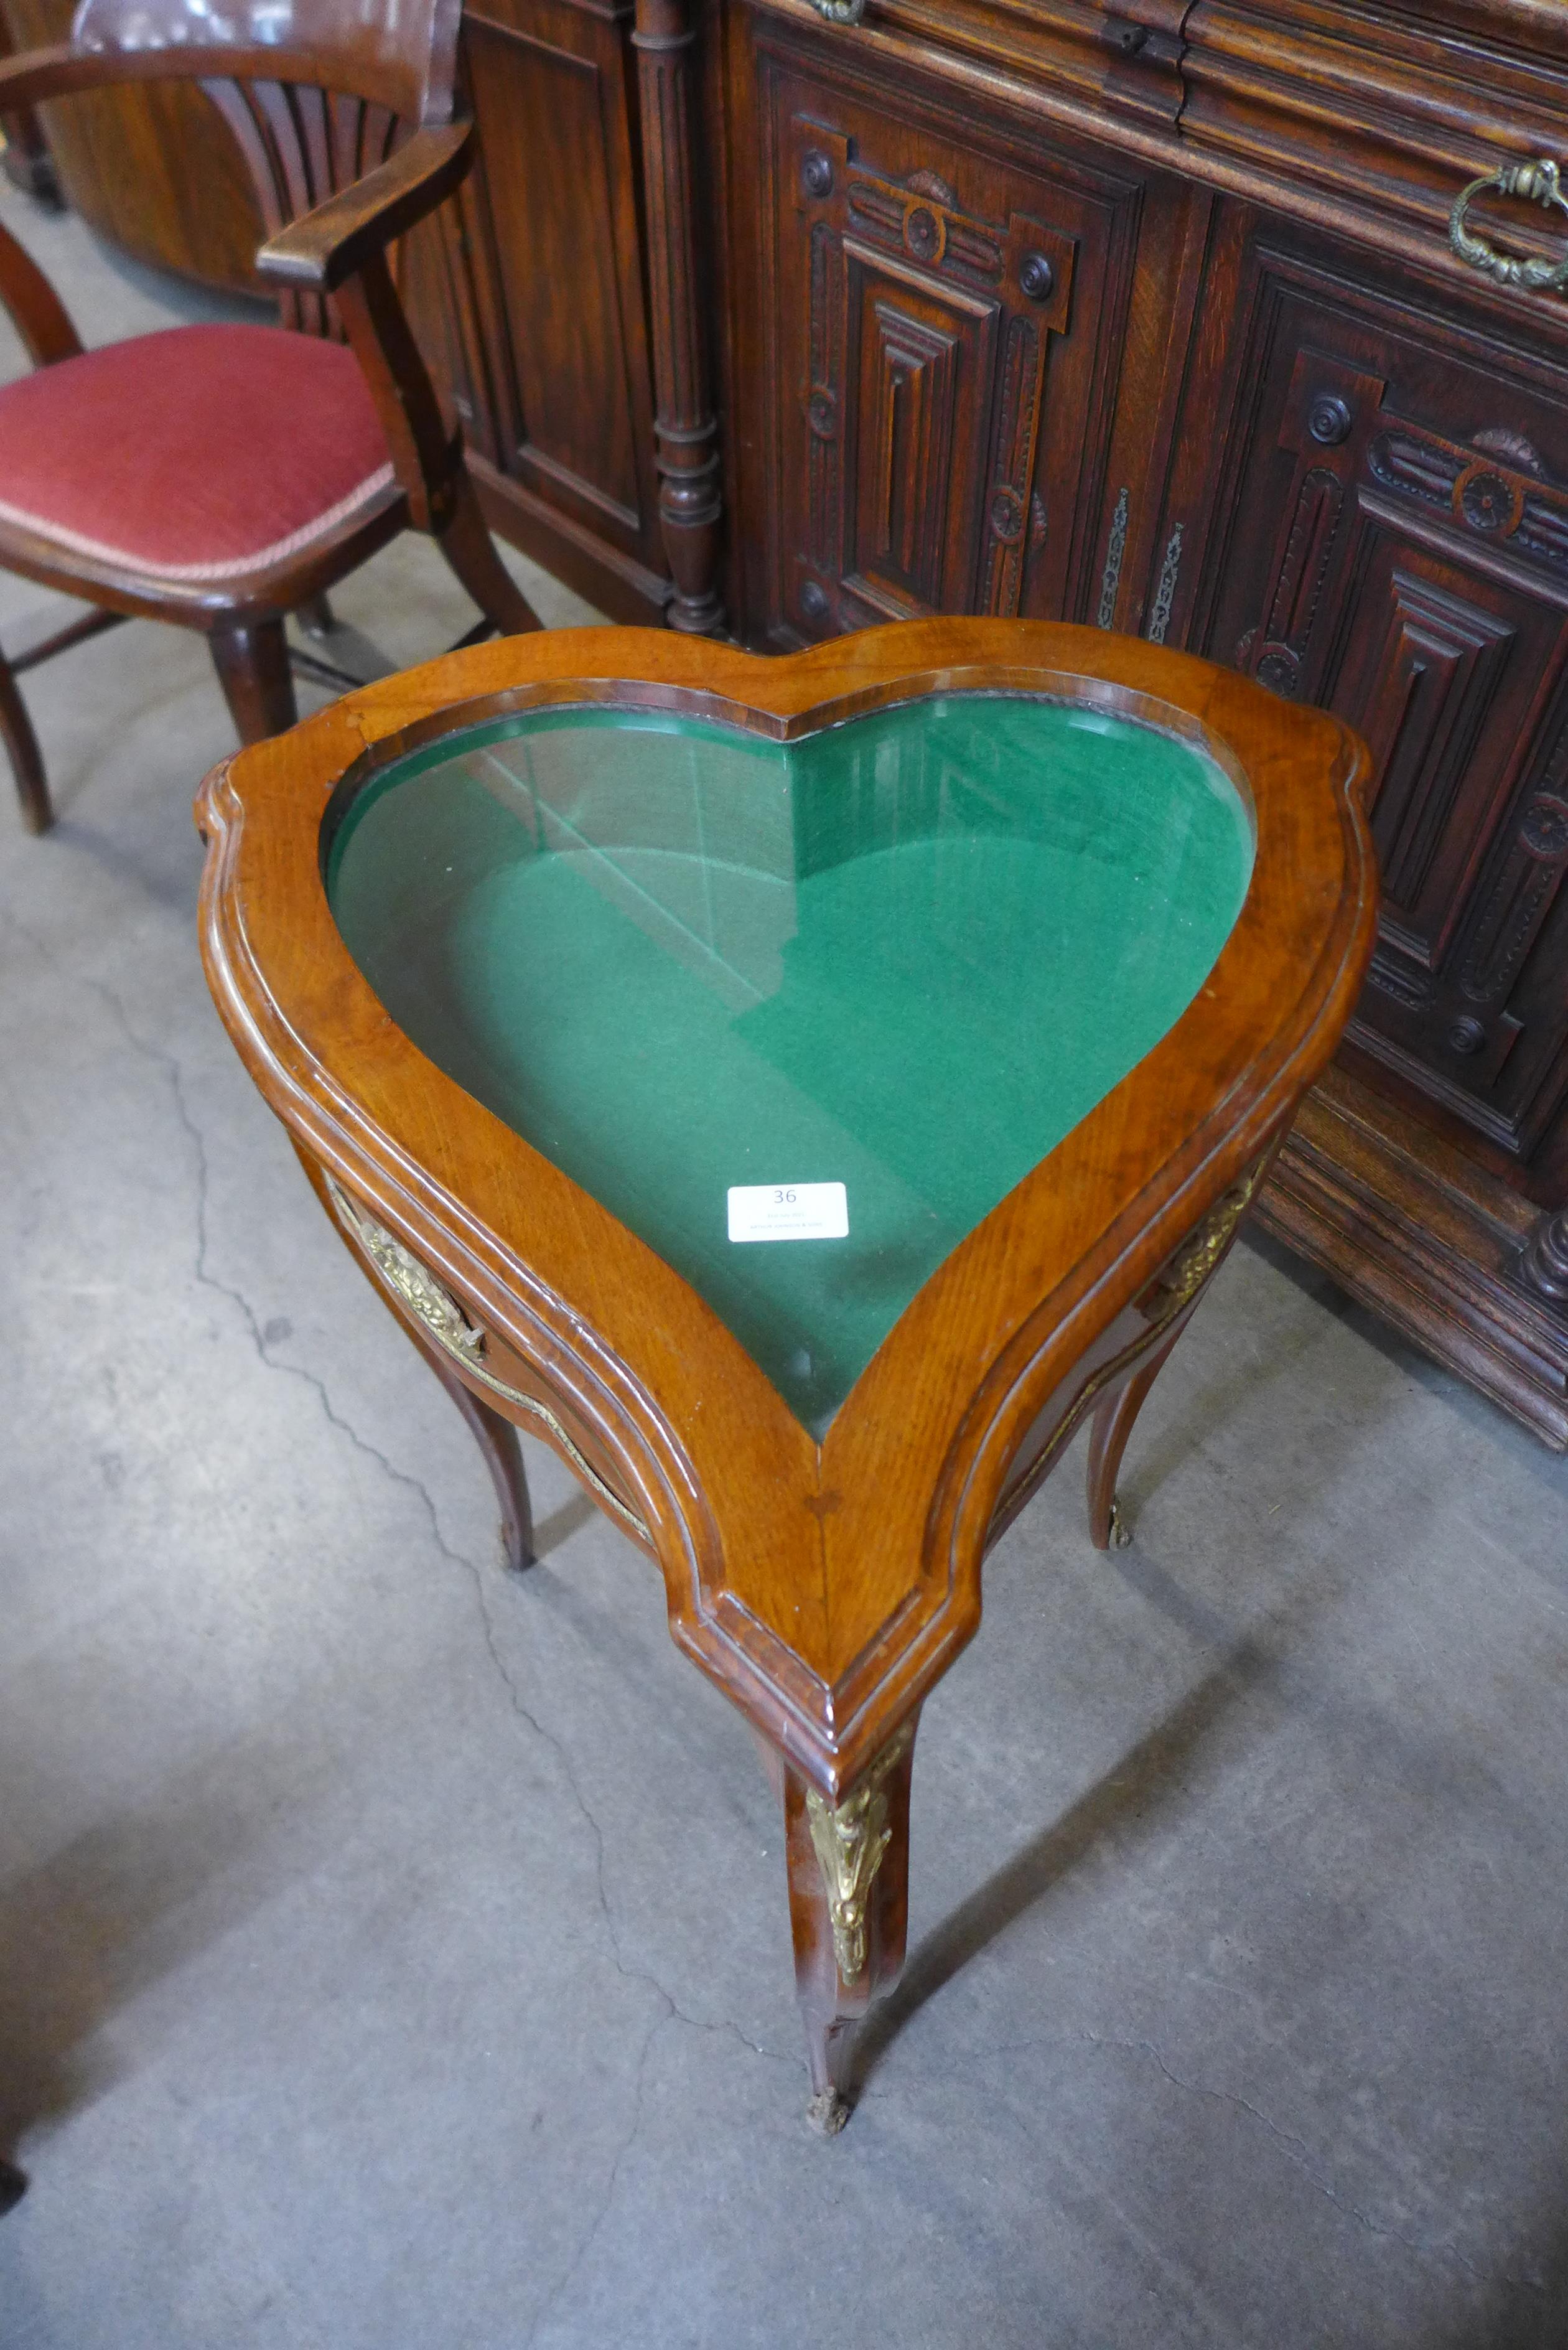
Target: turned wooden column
{"points": [[685, 428]]}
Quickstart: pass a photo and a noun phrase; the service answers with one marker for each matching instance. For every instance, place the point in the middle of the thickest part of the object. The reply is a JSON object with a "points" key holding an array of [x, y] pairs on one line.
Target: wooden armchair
{"points": [[222, 476]]}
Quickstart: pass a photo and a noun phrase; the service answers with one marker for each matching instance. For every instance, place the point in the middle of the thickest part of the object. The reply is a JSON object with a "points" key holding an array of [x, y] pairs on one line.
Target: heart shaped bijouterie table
{"points": [[800, 1091]]}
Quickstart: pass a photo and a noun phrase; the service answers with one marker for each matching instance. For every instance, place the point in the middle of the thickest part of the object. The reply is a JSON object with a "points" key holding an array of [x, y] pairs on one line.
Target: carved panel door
{"points": [[530, 295], [945, 332], [1395, 547]]}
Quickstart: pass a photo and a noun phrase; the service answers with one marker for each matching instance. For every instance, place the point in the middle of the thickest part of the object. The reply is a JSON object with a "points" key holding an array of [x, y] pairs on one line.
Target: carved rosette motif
{"points": [[1276, 661], [1504, 496], [849, 1840], [1326, 401], [913, 382], [1518, 901]]}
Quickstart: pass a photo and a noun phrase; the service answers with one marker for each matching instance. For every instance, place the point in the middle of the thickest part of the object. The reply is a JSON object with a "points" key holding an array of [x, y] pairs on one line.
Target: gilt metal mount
{"points": [[438, 1313], [850, 1839]]}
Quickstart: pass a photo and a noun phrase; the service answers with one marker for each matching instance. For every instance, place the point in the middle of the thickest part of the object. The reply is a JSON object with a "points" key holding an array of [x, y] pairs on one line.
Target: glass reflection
{"points": [[907, 954]]}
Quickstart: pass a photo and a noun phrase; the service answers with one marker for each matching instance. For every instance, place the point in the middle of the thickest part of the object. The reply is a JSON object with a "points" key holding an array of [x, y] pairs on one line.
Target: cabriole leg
{"points": [[849, 1908], [497, 1440], [495, 1435], [1109, 1432]]}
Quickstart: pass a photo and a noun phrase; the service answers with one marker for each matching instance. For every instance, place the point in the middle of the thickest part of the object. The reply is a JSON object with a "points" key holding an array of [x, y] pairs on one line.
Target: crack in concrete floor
{"points": [[160, 1057]]}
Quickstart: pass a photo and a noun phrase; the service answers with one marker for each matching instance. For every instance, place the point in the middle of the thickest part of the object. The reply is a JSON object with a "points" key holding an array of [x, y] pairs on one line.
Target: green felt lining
{"points": [[907, 953]]}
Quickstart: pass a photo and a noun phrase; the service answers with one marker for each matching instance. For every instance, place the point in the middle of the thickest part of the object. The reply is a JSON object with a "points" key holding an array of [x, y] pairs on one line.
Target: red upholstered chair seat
{"points": [[192, 454]]}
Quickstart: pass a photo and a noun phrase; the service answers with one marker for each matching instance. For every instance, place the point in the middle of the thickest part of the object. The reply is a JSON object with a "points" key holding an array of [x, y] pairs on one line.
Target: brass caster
{"points": [[827, 2113], [1121, 1533]]}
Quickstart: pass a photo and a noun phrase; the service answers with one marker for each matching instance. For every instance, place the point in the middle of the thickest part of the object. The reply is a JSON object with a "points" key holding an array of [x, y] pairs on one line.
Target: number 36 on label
{"points": [[788, 1212]]}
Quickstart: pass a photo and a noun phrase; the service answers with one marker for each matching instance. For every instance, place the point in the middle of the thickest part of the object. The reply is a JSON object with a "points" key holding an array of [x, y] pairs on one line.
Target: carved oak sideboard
{"points": [[1147, 315]]}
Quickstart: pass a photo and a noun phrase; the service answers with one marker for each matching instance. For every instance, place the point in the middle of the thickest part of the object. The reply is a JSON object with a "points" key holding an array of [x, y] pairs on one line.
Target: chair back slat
{"points": [[315, 92], [308, 109], [300, 145]]}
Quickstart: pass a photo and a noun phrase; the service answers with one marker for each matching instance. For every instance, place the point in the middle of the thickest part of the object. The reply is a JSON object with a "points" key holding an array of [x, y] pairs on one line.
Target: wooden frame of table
{"points": [[824, 1586]]}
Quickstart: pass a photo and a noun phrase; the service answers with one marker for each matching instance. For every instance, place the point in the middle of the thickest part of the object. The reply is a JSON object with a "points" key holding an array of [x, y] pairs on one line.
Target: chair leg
{"points": [[1109, 1432], [317, 617], [253, 669], [26, 759], [466, 543]]}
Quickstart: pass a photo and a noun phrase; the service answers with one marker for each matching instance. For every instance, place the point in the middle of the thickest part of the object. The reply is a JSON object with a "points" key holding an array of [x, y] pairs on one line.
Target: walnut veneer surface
{"points": [[1144, 316], [565, 1268]]}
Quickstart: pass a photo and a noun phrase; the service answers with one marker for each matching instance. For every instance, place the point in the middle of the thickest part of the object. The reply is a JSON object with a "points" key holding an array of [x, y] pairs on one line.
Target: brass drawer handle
{"points": [[1538, 183], [437, 1311]]}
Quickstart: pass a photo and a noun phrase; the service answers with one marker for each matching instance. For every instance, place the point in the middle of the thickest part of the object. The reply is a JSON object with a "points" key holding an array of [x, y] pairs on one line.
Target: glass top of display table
{"points": [[715, 977]]}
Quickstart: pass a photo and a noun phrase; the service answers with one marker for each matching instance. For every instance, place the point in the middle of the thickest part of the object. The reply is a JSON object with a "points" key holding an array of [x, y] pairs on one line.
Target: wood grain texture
{"points": [[1435, 1245], [690, 503], [553, 264], [825, 1585], [825, 1625]]}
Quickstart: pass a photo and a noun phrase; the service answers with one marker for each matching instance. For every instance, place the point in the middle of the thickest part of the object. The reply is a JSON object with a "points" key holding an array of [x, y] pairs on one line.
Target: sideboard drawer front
{"points": [[945, 327]]}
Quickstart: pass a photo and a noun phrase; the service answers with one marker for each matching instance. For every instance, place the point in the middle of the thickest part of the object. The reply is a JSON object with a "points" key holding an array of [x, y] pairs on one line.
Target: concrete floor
{"points": [[393, 1952]]}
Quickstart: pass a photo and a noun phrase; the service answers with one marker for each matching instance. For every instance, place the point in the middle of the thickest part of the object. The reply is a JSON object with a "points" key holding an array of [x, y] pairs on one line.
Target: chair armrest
{"points": [[326, 246], [39, 74], [34, 305]]}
